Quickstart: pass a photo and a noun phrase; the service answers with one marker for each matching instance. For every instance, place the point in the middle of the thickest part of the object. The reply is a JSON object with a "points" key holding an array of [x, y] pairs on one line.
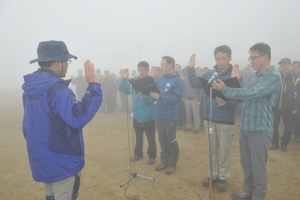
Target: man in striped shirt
{"points": [[257, 121]]}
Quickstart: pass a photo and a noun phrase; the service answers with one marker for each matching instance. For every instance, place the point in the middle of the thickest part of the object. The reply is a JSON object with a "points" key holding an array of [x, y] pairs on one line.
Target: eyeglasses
{"points": [[253, 58], [143, 70]]}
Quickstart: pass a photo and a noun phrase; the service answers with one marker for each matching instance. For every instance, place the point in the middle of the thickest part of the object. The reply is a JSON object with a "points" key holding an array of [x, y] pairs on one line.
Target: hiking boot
{"points": [[241, 195], [160, 167], [284, 148], [170, 170], [151, 161], [274, 146], [222, 185], [206, 181], [136, 158]]}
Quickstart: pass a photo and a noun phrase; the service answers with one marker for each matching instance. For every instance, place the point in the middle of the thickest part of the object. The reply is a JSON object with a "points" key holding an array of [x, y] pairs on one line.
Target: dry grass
{"points": [[107, 162]]}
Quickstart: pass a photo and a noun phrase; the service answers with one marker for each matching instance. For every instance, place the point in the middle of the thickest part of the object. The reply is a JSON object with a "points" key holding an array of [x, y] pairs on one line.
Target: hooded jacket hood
{"points": [[39, 82]]}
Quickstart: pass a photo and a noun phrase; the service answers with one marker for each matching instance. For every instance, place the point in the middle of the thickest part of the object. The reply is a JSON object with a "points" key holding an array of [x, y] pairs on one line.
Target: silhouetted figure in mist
{"points": [[108, 89], [80, 83], [123, 96]]}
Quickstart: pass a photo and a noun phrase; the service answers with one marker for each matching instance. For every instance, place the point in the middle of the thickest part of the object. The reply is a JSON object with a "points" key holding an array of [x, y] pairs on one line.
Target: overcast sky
{"points": [[117, 34]]}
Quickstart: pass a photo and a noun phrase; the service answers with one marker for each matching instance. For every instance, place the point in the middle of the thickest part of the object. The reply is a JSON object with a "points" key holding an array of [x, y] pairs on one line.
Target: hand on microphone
{"points": [[218, 85]]}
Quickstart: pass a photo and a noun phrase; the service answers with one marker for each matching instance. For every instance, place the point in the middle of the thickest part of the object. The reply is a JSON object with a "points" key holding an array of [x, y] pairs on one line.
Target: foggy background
{"points": [[117, 34]]}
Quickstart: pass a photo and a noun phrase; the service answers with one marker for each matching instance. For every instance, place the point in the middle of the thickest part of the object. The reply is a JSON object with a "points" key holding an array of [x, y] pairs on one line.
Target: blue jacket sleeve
{"points": [[124, 86], [75, 113]]}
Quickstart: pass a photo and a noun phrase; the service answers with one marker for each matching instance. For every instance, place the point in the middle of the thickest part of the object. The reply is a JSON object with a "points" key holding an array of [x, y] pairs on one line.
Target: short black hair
{"points": [[169, 60], [262, 48], [45, 64], [296, 63], [143, 64], [224, 49]]}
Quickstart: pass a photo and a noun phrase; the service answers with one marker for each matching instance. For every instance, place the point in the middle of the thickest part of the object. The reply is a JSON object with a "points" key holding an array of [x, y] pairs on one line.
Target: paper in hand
{"points": [[231, 82], [144, 85]]}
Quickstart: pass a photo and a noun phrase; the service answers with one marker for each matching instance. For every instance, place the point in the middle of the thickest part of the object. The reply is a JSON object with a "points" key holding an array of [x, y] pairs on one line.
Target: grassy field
{"points": [[107, 162]]}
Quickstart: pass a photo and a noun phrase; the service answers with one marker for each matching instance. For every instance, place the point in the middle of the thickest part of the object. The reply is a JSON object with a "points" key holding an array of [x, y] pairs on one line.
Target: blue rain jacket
{"points": [[171, 87], [53, 122]]}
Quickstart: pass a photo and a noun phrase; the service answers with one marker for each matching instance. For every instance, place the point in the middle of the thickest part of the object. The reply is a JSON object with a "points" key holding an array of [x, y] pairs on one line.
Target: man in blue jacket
{"points": [[223, 117], [143, 114], [171, 87], [53, 120]]}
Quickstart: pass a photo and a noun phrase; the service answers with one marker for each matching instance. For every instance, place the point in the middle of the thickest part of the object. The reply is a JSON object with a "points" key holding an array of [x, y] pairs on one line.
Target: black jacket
{"points": [[286, 96]]}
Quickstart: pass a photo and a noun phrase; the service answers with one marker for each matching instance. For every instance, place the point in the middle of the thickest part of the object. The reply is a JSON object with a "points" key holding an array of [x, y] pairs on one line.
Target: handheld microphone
{"points": [[215, 74]]}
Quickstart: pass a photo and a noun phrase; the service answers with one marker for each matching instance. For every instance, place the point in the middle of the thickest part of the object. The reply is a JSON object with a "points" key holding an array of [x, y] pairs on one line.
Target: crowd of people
{"points": [[264, 94]]}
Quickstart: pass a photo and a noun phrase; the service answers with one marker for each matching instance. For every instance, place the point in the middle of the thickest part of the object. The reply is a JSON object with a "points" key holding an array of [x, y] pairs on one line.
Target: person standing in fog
{"points": [[223, 116], [284, 106], [53, 120], [143, 114], [257, 121], [296, 110], [80, 83], [171, 87], [108, 87]]}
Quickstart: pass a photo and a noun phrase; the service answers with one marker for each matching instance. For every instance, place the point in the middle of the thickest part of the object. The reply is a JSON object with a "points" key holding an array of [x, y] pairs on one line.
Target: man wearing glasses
{"points": [[257, 121], [53, 120], [284, 106]]}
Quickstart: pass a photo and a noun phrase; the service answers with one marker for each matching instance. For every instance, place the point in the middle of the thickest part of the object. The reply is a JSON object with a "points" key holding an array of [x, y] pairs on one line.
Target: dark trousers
{"points": [[296, 124], [109, 103], [181, 114], [288, 124], [149, 129], [166, 130]]}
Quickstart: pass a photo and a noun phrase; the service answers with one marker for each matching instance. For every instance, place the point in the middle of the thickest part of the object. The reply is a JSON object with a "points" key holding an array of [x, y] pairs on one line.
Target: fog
{"points": [[117, 34]]}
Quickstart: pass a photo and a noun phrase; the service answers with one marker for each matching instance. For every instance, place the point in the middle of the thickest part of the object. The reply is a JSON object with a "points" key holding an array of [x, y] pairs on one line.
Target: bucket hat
{"points": [[52, 51]]}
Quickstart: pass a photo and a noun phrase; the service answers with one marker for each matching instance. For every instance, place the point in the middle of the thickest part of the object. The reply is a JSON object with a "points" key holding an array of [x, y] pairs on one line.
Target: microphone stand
{"points": [[132, 170], [209, 137]]}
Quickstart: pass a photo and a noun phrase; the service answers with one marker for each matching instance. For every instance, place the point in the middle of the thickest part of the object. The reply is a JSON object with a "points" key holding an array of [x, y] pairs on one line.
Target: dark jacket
{"points": [[220, 114], [53, 122], [286, 96]]}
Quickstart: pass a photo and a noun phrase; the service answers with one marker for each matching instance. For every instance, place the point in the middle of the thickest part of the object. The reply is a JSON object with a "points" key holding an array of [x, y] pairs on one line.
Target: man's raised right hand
{"points": [[90, 73]]}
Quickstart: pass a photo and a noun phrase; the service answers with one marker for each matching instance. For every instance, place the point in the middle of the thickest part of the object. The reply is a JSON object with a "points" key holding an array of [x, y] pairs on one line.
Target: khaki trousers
{"points": [[221, 140], [66, 189]]}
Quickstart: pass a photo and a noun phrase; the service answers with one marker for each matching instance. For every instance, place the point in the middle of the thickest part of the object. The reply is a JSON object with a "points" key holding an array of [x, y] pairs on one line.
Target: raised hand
{"points": [[125, 73], [236, 71], [90, 73], [192, 61]]}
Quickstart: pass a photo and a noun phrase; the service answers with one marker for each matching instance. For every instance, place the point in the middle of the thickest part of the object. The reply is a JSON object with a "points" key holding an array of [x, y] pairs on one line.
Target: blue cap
{"points": [[52, 51]]}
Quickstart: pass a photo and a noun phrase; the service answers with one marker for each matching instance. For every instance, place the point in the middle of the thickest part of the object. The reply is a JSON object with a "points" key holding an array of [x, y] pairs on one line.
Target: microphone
{"points": [[215, 74]]}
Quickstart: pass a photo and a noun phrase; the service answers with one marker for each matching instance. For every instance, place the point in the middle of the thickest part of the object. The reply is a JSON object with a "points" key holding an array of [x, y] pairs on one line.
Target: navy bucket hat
{"points": [[52, 51]]}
